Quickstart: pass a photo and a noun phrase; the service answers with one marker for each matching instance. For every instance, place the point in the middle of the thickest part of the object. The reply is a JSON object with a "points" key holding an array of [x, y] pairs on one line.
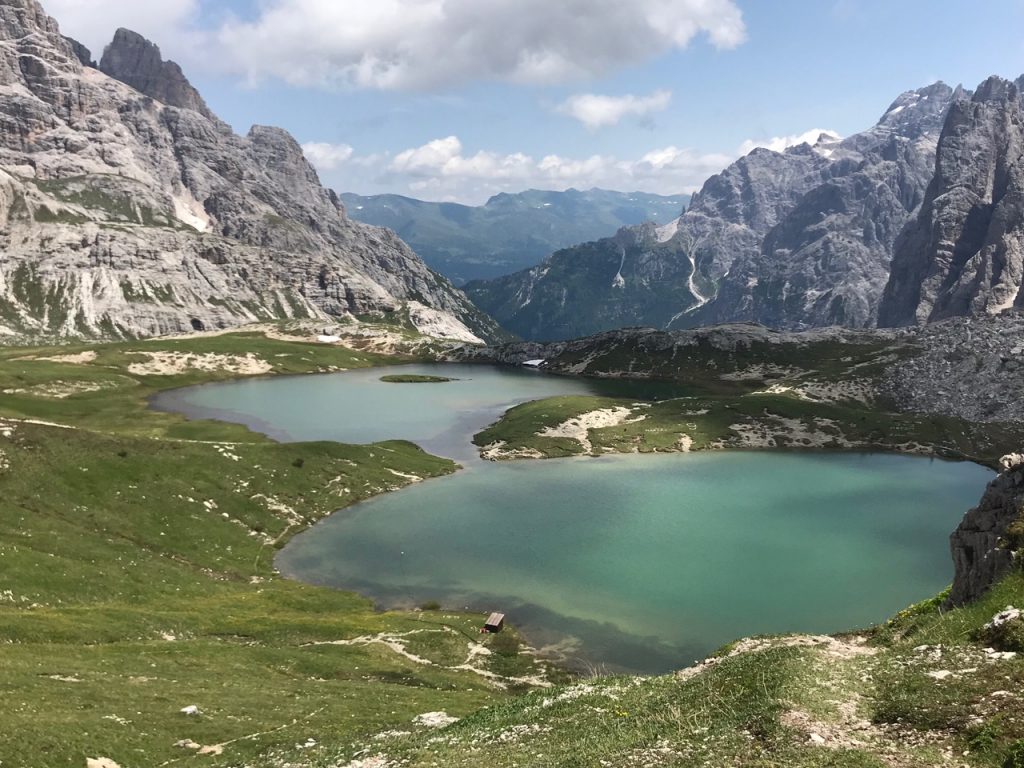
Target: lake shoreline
{"points": [[474, 466]]}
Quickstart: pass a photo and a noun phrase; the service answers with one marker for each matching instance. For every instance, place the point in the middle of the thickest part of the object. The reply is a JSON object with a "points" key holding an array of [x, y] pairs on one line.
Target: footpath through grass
{"points": [[925, 690], [136, 573], [136, 581]]}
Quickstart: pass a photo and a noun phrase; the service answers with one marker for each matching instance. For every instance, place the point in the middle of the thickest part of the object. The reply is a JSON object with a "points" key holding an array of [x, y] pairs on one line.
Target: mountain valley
{"points": [[510, 232]]}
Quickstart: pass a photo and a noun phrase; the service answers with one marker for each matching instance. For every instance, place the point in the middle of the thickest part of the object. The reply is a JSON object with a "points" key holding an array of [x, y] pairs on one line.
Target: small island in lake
{"points": [[412, 378]]}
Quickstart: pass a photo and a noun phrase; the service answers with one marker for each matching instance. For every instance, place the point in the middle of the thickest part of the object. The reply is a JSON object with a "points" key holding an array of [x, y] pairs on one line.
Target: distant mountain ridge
{"points": [[128, 209], [509, 232], [793, 239]]}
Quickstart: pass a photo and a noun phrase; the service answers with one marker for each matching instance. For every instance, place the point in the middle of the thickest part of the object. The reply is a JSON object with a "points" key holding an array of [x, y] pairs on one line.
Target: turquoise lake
{"points": [[634, 563]]}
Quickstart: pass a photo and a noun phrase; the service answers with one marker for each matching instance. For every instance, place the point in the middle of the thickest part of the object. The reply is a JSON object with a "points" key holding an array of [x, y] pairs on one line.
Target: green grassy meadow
{"points": [[137, 580], [136, 573]]}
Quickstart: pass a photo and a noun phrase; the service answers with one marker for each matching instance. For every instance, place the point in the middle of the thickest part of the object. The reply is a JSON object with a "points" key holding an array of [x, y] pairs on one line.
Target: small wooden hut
{"points": [[495, 623]]}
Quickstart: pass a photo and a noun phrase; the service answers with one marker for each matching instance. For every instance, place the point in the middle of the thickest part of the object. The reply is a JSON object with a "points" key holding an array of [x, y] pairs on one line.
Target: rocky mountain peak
{"points": [[996, 89], [280, 156], [792, 239], [756, 189], [136, 61], [281, 151], [914, 114], [124, 200]]}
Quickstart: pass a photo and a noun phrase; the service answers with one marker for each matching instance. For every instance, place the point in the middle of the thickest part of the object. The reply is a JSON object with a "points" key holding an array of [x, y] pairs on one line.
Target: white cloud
{"points": [[780, 143], [92, 22], [444, 158], [327, 157], [596, 111], [421, 44], [443, 170]]}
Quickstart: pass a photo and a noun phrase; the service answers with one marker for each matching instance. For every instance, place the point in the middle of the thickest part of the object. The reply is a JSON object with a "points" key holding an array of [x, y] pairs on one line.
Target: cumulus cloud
{"points": [[423, 44], [596, 111], [780, 143], [445, 158], [92, 22], [327, 157], [443, 170]]}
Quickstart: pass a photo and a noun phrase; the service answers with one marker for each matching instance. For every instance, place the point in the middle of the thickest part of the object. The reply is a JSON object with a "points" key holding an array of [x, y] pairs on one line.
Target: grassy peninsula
{"points": [[779, 393]]}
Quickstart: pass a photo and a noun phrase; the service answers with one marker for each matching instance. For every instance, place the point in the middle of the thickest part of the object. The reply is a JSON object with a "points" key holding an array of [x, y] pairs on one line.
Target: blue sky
{"points": [[447, 109]]}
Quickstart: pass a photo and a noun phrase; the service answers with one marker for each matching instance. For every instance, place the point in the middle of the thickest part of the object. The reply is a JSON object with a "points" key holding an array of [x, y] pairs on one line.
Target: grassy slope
{"points": [[136, 576], [709, 422], [126, 595], [767, 395], [765, 703]]}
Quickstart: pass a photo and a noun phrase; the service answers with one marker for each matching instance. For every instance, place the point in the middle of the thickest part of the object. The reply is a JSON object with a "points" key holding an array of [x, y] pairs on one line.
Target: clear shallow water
{"points": [[642, 563], [357, 407]]}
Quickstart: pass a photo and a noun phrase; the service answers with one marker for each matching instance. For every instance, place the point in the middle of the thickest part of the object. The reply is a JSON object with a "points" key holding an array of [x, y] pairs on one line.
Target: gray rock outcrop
{"points": [[84, 54], [982, 546], [964, 254], [124, 215]]}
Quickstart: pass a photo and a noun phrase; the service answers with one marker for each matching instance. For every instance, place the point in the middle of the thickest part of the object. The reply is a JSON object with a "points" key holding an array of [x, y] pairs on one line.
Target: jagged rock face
{"points": [[134, 60], [827, 260], [982, 545], [824, 260], [801, 238], [83, 54], [123, 215], [20, 18], [964, 254]]}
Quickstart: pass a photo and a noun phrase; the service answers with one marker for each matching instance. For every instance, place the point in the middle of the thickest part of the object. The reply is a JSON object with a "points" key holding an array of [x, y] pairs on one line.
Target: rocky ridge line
{"points": [[124, 216], [793, 239]]}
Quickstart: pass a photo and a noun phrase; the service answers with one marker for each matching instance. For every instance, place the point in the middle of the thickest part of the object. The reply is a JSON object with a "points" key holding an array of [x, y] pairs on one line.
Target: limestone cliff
{"points": [[964, 254], [127, 209], [988, 543]]}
